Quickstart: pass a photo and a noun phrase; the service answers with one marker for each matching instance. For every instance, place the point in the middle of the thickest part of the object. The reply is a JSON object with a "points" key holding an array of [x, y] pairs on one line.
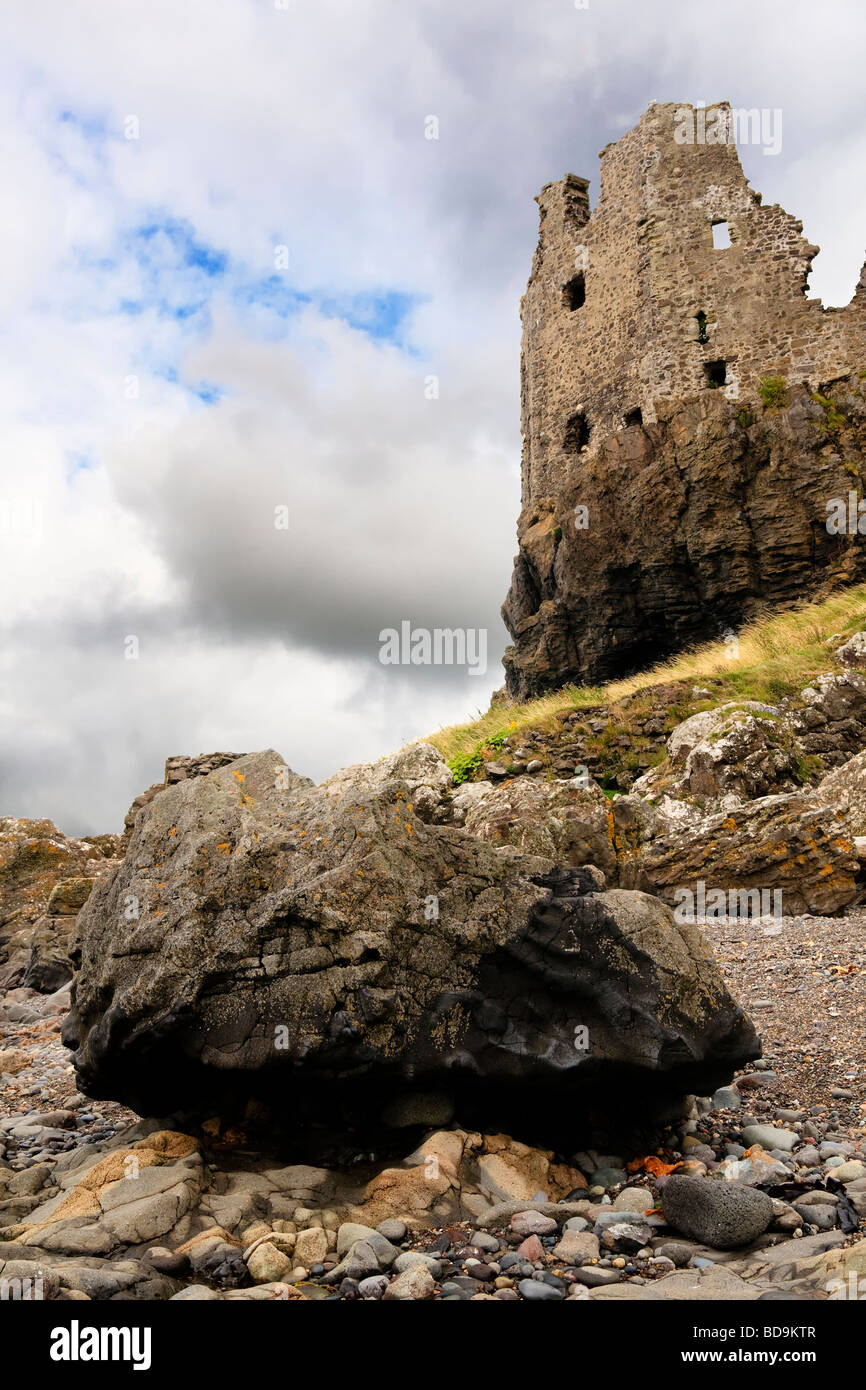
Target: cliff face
{"points": [[692, 403], [674, 532]]}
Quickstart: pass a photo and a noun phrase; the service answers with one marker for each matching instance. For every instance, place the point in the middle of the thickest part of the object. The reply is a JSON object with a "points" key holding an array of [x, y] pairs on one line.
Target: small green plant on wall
{"points": [[773, 391]]}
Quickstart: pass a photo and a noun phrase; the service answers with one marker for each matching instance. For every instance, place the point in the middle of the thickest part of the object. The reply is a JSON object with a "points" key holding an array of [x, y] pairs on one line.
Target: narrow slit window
{"points": [[576, 433], [574, 292], [702, 321], [721, 236], [716, 373]]}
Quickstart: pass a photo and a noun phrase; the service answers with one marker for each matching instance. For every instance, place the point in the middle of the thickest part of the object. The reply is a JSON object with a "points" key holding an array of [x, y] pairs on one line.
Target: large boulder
{"points": [[323, 949]]}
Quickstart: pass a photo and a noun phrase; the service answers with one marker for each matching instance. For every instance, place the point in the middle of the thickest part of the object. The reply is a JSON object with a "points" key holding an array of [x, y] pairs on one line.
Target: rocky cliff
{"points": [[676, 532]]}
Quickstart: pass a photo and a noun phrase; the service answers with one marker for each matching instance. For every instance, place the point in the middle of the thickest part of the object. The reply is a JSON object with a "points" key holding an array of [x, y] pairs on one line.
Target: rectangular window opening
{"points": [[574, 292], [576, 433], [633, 417], [716, 373], [721, 236]]}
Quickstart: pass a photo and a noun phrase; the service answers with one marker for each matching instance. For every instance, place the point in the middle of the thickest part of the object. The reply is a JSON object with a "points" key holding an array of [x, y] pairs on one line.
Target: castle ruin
{"points": [[651, 329], [633, 303]]}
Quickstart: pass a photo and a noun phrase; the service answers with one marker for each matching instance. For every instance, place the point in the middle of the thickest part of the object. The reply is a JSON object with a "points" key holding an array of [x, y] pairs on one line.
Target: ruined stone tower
{"points": [[670, 368]]}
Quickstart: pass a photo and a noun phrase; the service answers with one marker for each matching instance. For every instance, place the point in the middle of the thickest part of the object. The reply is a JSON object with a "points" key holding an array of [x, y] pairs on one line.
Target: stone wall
{"points": [[649, 268]]}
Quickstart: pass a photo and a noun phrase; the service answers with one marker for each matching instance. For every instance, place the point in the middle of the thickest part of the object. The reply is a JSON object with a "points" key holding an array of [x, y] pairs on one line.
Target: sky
{"points": [[260, 273]]}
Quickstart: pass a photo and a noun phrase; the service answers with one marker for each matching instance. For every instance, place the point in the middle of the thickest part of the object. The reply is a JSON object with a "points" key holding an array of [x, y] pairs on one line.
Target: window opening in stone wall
{"points": [[633, 417], [721, 236], [576, 433], [575, 292], [716, 373], [702, 322]]}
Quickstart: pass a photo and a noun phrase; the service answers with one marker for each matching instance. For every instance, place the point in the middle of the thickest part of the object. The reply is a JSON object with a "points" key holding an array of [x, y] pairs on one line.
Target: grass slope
{"points": [[773, 656]]}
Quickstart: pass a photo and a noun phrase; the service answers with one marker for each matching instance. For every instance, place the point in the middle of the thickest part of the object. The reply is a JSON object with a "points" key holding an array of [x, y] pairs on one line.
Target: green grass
{"points": [[773, 391], [777, 655]]}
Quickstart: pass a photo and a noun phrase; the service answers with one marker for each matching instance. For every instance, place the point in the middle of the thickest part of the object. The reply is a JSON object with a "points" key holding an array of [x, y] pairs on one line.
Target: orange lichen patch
{"points": [[651, 1164], [729, 823], [240, 776], [225, 847], [13, 1060], [164, 1146], [212, 1233], [173, 830], [168, 1144]]}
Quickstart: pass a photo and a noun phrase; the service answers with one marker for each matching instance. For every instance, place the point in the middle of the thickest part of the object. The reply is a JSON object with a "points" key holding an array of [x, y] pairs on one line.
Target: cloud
{"points": [[232, 264]]}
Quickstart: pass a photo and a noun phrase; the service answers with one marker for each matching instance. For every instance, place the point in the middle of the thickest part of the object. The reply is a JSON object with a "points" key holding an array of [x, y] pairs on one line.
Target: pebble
{"points": [[392, 1230], [605, 1178], [374, 1285], [724, 1215], [535, 1291], [594, 1276], [769, 1137], [413, 1259], [850, 1171], [727, 1098], [532, 1223]]}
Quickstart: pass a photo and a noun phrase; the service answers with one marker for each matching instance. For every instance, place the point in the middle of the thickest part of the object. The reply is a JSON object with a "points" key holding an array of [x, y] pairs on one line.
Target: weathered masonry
{"points": [[633, 303]]}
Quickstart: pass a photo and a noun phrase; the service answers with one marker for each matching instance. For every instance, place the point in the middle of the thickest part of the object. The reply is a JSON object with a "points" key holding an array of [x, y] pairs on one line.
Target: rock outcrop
{"points": [[693, 525], [324, 949], [45, 879]]}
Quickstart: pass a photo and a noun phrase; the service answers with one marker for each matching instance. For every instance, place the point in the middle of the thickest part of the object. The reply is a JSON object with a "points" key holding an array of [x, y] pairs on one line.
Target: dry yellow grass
{"points": [[773, 656]]}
